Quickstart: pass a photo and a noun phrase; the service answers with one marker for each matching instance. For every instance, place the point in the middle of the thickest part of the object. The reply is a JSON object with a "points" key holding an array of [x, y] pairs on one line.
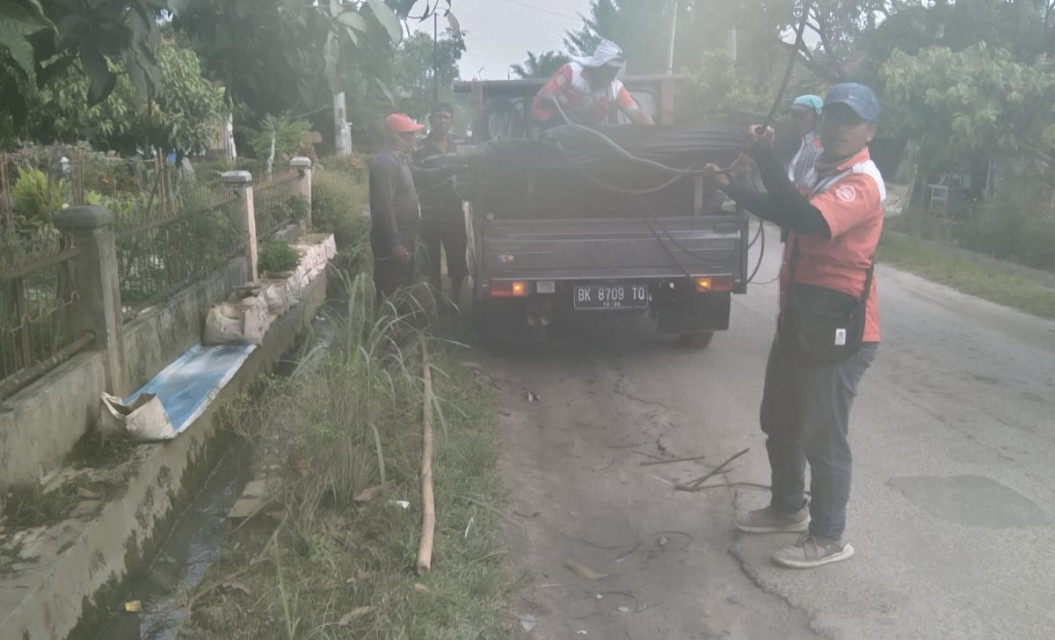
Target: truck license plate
{"points": [[610, 296]]}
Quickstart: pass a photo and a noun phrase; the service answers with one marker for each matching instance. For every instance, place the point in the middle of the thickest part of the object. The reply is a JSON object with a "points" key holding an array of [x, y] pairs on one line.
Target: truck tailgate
{"points": [[623, 248]]}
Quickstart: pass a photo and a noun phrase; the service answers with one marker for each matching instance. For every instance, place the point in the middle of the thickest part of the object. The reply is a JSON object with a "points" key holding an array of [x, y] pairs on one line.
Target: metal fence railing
{"points": [[34, 335], [36, 284], [33, 186], [277, 202], [170, 229], [160, 256]]}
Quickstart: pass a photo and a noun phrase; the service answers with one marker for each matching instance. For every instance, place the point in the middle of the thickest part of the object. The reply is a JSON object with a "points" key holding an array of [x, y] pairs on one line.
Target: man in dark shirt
{"points": [[395, 213], [442, 215]]}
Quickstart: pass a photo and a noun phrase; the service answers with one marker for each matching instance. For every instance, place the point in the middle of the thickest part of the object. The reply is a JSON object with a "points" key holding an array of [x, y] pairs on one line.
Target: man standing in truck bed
{"points": [[586, 90]]}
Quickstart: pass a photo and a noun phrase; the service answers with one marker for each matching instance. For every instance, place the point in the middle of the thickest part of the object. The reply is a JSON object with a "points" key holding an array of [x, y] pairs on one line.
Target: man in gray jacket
{"points": [[395, 213]]}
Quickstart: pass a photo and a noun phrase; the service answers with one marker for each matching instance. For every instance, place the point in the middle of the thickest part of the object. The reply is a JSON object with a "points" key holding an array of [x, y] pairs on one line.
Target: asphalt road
{"points": [[952, 509]]}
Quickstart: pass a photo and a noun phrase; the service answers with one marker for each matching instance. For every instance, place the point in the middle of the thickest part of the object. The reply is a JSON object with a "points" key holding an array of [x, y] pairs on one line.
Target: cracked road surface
{"points": [[954, 490]]}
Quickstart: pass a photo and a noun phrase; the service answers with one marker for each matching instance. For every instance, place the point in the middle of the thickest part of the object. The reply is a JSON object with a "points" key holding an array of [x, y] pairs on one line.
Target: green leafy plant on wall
{"points": [[276, 256]]}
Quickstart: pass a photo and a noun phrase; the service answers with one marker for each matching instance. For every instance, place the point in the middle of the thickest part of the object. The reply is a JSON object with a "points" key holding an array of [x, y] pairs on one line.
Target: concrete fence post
{"points": [[96, 281], [343, 137], [303, 167], [242, 184]]}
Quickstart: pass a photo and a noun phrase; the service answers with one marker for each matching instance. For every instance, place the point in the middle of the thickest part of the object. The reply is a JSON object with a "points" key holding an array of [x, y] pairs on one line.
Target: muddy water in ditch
{"points": [[195, 542], [192, 547]]}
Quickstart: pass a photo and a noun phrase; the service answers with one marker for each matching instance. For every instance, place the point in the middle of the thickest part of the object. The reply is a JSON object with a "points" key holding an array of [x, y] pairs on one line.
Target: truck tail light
{"points": [[714, 284], [508, 289]]}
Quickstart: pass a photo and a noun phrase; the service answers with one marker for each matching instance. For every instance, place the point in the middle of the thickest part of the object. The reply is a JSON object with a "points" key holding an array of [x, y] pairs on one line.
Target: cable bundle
{"points": [[575, 172]]}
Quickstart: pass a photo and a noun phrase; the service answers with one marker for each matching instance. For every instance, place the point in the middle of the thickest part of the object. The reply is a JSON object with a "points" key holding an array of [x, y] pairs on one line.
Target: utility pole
{"points": [[342, 136], [673, 38], [435, 57], [732, 47]]}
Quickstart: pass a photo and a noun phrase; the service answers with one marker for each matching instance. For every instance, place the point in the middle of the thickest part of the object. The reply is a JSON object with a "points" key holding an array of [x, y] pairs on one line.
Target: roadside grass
{"points": [[333, 553], [997, 285]]}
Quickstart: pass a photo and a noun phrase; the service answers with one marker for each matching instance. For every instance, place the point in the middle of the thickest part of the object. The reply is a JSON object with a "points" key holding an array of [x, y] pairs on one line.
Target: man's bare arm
{"points": [[640, 118]]}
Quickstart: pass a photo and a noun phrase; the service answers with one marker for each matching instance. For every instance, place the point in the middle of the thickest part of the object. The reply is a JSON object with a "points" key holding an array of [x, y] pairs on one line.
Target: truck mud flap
{"points": [[703, 312]]}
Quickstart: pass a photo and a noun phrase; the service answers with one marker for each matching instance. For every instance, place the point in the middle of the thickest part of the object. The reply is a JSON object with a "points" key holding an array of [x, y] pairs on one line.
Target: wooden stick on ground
{"points": [[695, 485], [428, 510], [671, 461]]}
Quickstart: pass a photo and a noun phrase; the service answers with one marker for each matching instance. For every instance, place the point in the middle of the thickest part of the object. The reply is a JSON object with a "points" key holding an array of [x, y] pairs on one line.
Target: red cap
{"points": [[401, 123]]}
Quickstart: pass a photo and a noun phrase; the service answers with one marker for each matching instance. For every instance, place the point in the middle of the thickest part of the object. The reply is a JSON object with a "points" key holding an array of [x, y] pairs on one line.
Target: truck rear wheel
{"points": [[698, 341]]}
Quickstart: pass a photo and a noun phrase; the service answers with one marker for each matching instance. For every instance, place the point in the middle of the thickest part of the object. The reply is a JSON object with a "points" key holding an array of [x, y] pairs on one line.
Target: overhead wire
{"points": [[769, 120], [558, 14]]}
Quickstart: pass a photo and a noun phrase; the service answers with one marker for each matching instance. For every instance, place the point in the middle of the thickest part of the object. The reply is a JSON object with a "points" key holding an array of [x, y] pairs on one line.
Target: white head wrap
{"points": [[606, 53]]}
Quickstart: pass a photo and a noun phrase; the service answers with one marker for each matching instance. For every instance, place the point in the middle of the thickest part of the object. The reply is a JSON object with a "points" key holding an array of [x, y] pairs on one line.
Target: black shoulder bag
{"points": [[825, 325]]}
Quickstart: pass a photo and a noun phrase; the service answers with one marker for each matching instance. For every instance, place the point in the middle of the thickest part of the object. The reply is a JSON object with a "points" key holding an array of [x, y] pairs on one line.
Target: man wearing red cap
{"points": [[395, 212]]}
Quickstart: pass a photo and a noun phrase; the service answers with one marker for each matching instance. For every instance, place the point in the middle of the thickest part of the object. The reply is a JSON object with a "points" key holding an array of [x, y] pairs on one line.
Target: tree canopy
{"points": [[412, 73], [964, 77], [40, 40], [180, 117], [977, 101], [541, 65], [276, 56]]}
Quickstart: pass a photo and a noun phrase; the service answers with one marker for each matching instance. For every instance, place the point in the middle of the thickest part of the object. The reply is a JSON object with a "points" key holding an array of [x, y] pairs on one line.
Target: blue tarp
{"points": [[187, 386]]}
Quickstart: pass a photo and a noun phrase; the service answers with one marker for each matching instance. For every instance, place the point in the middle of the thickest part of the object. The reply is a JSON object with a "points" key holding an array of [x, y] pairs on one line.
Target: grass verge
{"points": [[997, 285], [333, 553]]}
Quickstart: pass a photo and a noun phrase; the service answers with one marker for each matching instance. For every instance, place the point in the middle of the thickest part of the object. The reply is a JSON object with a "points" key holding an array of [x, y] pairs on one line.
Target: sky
{"points": [[499, 33]]}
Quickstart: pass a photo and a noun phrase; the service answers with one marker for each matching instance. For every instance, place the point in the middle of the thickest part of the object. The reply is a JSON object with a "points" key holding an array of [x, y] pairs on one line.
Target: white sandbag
{"points": [[298, 282], [143, 418], [306, 254], [239, 321], [315, 256], [223, 325], [278, 298], [255, 319], [294, 287]]}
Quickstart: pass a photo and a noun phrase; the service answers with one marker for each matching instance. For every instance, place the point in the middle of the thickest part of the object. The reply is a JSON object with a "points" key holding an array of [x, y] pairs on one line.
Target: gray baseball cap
{"points": [[858, 97]]}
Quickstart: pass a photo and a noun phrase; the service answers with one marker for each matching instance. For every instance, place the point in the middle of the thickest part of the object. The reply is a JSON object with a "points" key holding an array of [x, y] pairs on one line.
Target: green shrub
{"points": [[353, 165], [276, 256], [994, 229], [213, 168], [339, 207], [36, 197], [918, 223], [290, 135], [1038, 241], [278, 211], [1018, 224]]}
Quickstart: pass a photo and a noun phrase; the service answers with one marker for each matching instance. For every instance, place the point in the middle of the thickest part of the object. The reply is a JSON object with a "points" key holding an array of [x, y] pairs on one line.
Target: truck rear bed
{"points": [[614, 249]]}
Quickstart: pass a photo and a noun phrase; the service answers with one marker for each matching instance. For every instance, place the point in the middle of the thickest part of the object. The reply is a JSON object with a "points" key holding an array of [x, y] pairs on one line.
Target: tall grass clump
{"points": [[332, 553]]}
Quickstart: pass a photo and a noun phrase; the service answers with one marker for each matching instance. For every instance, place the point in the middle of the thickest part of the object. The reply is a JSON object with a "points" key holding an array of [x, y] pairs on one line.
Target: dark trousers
{"points": [[390, 274], [448, 233], [806, 417]]}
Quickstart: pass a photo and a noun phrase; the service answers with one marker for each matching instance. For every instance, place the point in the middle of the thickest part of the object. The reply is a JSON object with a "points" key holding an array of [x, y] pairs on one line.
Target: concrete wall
{"points": [[73, 572], [40, 424], [159, 336]]}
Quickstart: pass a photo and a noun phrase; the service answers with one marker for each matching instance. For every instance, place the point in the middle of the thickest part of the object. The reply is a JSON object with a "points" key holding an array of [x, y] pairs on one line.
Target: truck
{"points": [[554, 234]]}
